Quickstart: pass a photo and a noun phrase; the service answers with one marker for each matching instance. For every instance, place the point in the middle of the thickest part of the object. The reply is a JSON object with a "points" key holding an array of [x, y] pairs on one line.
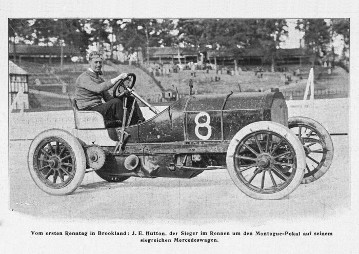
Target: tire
{"points": [[271, 151], [109, 171], [110, 177], [56, 162], [318, 146]]}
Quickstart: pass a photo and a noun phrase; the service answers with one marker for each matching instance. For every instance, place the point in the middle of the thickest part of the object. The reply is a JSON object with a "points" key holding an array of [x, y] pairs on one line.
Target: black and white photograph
{"points": [[198, 132]]}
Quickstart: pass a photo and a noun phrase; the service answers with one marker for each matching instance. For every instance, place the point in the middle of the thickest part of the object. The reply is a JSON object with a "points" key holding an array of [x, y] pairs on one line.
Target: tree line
{"points": [[219, 35]]}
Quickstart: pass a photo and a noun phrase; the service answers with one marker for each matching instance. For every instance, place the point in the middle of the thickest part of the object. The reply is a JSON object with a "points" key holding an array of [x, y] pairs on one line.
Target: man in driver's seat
{"points": [[91, 89]]}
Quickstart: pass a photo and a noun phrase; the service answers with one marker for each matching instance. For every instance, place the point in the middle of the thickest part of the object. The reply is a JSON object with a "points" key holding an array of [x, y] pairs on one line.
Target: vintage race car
{"points": [[266, 154]]}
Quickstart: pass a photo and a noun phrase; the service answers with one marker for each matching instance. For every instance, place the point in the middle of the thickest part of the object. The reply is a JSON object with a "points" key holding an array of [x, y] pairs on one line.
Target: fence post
{"points": [[310, 85]]}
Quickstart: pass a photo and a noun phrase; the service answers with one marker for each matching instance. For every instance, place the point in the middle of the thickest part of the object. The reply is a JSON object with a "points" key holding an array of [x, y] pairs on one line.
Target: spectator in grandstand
{"points": [[91, 89]]}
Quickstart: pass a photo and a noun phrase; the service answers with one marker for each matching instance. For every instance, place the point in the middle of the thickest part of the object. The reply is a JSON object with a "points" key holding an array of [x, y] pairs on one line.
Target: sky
{"points": [[294, 36]]}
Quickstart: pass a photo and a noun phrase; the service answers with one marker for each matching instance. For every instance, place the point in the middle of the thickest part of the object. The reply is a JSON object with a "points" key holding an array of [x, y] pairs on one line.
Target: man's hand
{"points": [[119, 77], [122, 76]]}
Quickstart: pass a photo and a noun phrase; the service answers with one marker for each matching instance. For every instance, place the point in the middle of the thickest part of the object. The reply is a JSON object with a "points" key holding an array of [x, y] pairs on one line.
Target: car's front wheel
{"points": [[266, 160]]}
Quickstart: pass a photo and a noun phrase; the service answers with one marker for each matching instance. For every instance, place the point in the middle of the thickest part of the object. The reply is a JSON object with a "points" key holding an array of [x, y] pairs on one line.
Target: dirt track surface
{"points": [[211, 196]]}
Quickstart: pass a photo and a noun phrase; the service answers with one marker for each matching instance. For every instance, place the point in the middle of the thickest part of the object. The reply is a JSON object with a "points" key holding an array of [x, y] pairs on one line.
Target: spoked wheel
{"points": [[318, 146], [266, 160], [56, 162]]}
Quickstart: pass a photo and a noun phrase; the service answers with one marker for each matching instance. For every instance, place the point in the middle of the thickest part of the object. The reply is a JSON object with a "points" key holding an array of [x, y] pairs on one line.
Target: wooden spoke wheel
{"points": [[57, 162], [317, 144], [266, 160]]}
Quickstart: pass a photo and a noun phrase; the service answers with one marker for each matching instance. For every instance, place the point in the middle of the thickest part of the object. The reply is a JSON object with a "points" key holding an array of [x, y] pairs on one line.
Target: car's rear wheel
{"points": [[318, 146], [110, 177], [110, 171], [56, 162], [266, 160]]}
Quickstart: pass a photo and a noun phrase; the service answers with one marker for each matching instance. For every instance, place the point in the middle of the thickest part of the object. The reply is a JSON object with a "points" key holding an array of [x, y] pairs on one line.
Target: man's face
{"points": [[96, 64]]}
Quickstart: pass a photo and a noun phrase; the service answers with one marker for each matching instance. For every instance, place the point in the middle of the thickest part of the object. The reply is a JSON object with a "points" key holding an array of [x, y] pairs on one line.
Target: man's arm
{"points": [[87, 83]]}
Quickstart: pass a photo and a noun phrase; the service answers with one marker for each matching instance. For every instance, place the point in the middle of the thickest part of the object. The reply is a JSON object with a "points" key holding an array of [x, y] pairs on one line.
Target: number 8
{"points": [[203, 125]]}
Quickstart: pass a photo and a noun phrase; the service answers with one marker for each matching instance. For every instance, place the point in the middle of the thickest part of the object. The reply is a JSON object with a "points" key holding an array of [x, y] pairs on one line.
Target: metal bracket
{"points": [[119, 144]]}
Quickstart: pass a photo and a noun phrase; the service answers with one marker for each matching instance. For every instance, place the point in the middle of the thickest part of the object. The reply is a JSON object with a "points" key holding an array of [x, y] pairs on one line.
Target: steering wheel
{"points": [[125, 83]]}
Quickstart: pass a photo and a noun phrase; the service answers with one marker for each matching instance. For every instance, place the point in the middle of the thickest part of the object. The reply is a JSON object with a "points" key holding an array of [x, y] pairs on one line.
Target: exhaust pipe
{"points": [[131, 162]]}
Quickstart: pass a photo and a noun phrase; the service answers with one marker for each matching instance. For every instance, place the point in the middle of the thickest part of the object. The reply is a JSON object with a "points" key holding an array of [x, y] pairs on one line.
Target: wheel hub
{"points": [[94, 157], [54, 162], [264, 161]]}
